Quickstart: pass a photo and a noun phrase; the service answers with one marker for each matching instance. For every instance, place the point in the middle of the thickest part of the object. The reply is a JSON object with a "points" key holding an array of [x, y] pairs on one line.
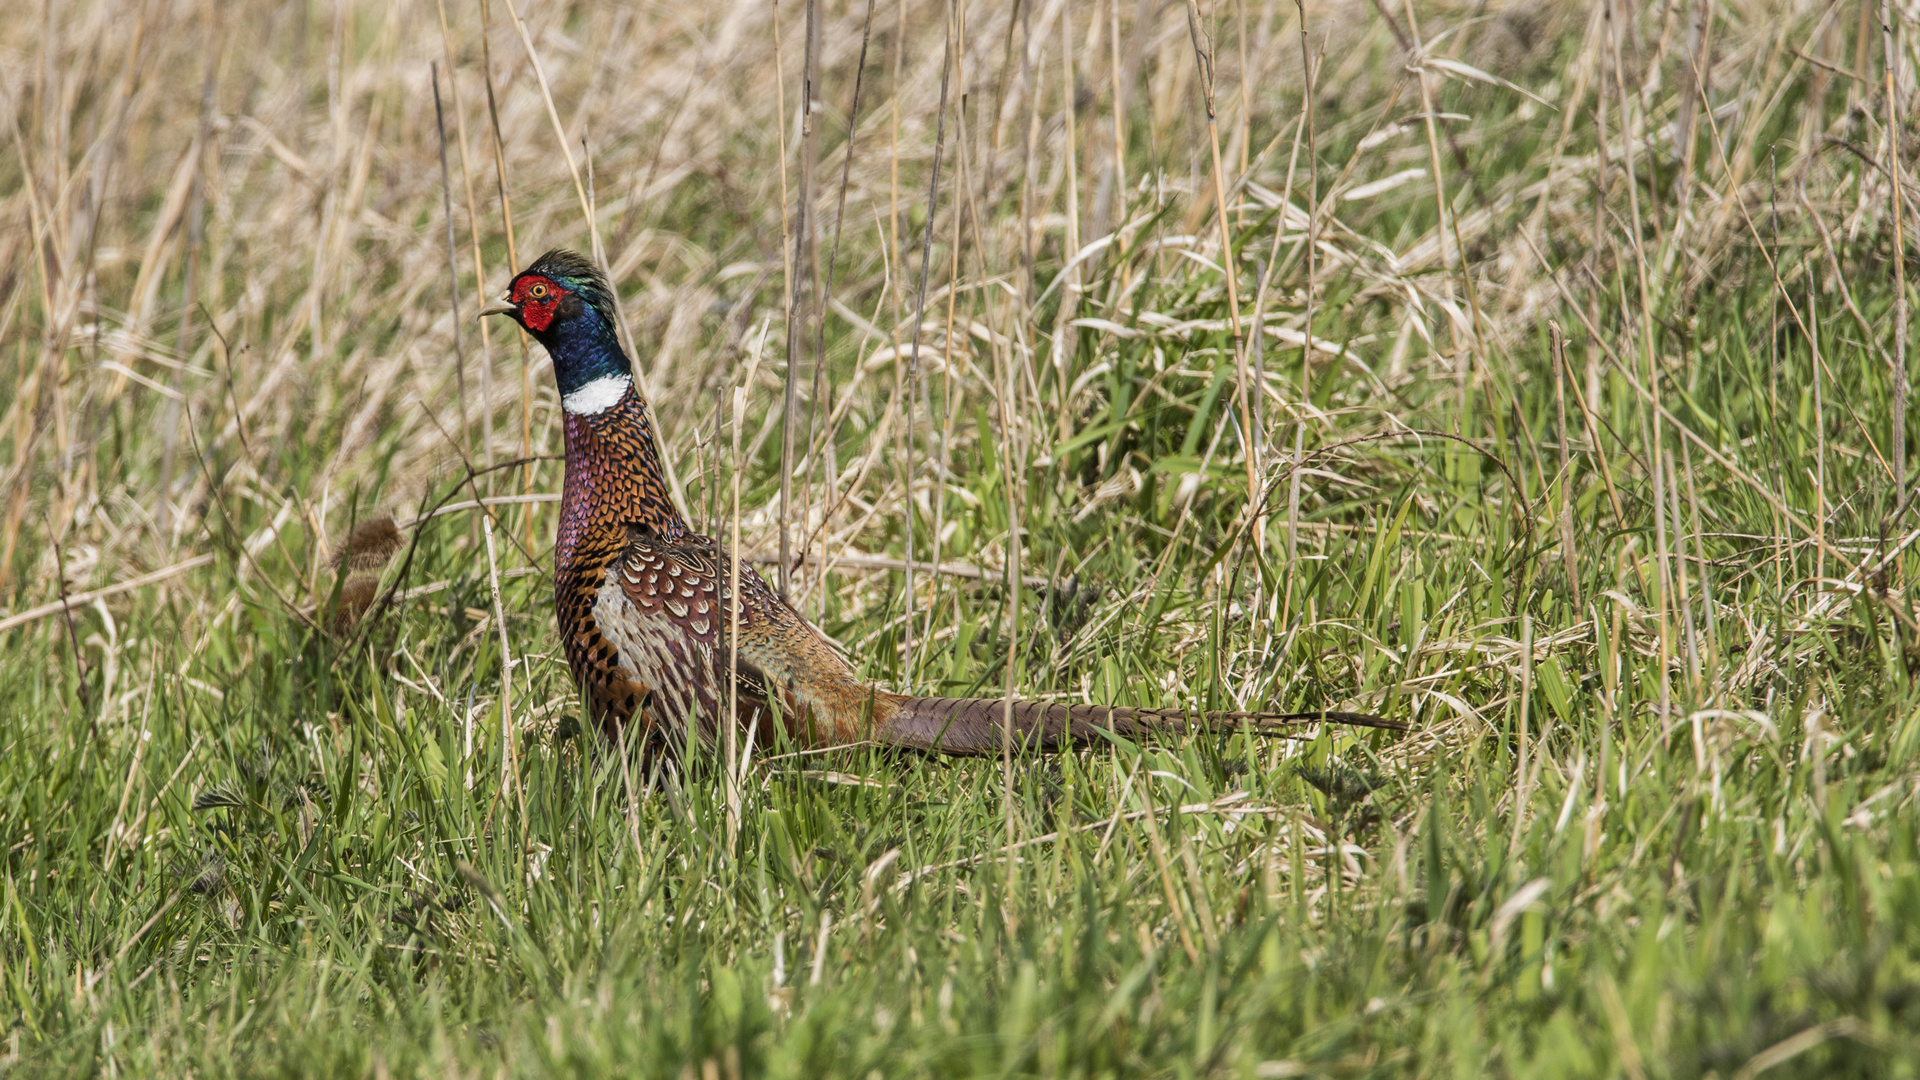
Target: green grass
{"points": [[1657, 815]]}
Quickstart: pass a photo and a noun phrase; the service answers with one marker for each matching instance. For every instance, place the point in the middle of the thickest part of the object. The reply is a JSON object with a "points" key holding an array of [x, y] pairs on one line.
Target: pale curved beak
{"points": [[499, 307]]}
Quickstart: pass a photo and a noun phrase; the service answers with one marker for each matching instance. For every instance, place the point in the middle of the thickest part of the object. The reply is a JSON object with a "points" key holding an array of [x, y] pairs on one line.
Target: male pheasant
{"points": [[645, 603]]}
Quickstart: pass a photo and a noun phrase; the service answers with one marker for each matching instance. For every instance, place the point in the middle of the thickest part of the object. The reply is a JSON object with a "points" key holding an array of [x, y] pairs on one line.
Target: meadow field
{"points": [[1530, 372]]}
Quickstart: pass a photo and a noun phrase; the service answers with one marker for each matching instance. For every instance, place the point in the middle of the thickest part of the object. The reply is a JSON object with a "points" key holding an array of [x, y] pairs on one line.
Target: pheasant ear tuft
{"points": [[579, 274]]}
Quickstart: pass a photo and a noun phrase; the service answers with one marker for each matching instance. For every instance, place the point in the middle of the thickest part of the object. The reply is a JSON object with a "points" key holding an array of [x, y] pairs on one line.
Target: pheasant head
{"points": [[566, 304]]}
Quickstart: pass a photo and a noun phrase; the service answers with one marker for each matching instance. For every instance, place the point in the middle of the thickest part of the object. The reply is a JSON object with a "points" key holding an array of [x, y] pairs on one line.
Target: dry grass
{"points": [[294, 206]]}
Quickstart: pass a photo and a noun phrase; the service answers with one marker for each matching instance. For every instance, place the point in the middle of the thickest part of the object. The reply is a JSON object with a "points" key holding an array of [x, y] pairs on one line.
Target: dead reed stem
{"points": [[509, 757], [912, 379], [801, 285], [1307, 91], [453, 258], [1896, 177], [1230, 266], [498, 144], [730, 731], [473, 237]]}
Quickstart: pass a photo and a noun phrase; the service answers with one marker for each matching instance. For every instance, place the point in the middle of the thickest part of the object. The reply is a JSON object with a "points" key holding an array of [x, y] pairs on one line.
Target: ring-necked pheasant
{"points": [[644, 602]]}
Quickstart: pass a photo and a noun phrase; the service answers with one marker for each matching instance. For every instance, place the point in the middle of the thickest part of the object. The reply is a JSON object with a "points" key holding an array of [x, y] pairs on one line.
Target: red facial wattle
{"points": [[537, 298]]}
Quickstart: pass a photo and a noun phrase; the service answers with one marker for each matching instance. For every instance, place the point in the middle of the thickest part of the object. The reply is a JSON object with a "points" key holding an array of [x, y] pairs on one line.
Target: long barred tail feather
{"points": [[974, 725]]}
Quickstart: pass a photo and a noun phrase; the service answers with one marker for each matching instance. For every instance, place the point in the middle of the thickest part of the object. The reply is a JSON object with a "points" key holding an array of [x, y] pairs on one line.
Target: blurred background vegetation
{"points": [[1531, 372]]}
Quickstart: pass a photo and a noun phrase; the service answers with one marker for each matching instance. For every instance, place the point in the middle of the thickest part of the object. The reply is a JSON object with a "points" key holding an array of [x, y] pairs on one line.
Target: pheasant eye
{"points": [[538, 292]]}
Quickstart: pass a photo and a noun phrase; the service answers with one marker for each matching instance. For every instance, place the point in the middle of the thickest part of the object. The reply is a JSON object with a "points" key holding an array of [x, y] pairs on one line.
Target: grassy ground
{"points": [[1592, 476]]}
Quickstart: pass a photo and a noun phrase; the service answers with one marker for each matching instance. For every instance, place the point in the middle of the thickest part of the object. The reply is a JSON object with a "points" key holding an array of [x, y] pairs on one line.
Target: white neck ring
{"points": [[597, 396]]}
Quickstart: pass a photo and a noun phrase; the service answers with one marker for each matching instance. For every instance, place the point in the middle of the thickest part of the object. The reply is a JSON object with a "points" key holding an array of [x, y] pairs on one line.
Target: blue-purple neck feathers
{"points": [[584, 350]]}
